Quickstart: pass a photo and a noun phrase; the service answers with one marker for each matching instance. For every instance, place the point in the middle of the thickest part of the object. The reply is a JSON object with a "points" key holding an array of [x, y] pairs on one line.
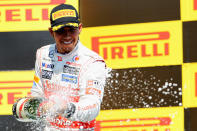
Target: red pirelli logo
{"points": [[21, 11], [195, 4], [149, 41], [144, 123], [11, 94], [30, 2]]}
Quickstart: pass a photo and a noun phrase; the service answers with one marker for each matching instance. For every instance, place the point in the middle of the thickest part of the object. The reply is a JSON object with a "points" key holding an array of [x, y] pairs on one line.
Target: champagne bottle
{"points": [[27, 109]]}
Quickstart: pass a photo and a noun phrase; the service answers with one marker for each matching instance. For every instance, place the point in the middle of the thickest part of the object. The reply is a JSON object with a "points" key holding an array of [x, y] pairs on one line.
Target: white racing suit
{"points": [[77, 77]]}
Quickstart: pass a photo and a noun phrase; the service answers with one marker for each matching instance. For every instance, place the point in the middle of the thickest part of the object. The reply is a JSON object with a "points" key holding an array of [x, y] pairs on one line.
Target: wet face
{"points": [[66, 38]]}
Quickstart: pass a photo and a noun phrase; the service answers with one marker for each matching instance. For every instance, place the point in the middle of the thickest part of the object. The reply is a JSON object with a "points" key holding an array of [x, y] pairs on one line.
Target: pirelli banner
{"points": [[137, 45], [14, 85], [188, 10], [27, 15], [190, 85], [157, 119]]}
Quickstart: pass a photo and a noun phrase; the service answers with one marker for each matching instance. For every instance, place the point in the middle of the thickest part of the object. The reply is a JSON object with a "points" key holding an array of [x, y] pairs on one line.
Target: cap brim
{"points": [[57, 27]]}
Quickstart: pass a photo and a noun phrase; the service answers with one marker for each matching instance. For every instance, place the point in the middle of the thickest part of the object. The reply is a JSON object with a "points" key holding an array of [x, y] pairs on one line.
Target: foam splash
{"points": [[135, 88]]}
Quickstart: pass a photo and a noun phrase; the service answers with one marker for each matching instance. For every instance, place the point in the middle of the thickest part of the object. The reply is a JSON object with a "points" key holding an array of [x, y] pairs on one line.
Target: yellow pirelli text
{"points": [[63, 13]]}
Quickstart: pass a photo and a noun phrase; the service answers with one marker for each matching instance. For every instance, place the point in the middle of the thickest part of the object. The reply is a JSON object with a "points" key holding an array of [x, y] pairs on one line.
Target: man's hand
{"points": [[51, 109], [45, 107]]}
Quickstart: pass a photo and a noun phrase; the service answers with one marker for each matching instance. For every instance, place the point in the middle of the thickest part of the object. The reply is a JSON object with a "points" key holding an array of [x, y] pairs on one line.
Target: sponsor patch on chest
{"points": [[71, 70], [47, 74], [69, 78]]}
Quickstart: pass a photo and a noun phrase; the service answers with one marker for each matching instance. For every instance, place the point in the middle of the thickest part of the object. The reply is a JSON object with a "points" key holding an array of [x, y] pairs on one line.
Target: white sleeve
{"points": [[36, 89], [92, 89]]}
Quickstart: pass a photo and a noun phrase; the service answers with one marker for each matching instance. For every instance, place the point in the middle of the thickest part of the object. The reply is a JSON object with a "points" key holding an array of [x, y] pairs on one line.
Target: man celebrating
{"points": [[69, 78]]}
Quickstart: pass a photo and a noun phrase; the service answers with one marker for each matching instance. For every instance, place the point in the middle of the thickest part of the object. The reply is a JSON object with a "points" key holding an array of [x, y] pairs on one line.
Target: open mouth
{"points": [[67, 42]]}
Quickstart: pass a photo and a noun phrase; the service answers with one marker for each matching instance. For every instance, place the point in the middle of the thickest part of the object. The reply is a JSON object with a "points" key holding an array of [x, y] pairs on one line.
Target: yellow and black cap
{"points": [[64, 15]]}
